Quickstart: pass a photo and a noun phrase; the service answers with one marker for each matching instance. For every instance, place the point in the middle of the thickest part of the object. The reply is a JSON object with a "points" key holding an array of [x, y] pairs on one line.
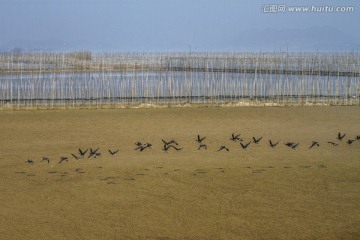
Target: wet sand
{"points": [[257, 193]]}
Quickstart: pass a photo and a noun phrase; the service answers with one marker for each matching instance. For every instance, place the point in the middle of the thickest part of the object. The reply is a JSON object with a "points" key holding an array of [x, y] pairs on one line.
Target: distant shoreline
{"points": [[178, 105]]}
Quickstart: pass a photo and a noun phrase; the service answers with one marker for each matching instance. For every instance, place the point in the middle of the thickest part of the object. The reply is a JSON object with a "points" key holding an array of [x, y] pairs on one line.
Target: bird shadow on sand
{"points": [[79, 170], [258, 170]]}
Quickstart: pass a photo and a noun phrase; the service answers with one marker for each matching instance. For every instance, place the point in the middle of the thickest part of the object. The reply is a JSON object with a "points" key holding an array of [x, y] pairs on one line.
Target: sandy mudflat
{"points": [[258, 193]]}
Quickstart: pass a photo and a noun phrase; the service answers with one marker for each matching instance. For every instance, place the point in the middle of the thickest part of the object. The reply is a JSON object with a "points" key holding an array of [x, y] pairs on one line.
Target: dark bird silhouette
{"points": [[340, 137], [76, 157], [235, 137], [223, 148], [142, 148], [29, 161], [199, 139], [166, 147], [63, 159], [357, 137], [292, 145], [202, 146], [289, 144], [45, 159], [113, 153], [138, 145], [256, 141], [244, 146], [82, 153], [334, 144], [146, 145], [350, 141], [314, 143], [94, 153], [170, 142], [273, 144]]}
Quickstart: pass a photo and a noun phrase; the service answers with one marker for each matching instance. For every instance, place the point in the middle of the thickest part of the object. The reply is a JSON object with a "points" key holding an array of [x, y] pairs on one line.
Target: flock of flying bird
{"points": [[201, 145]]}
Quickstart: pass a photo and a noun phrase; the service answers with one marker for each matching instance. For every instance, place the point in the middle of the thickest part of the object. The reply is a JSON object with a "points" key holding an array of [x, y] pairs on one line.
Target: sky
{"points": [[178, 25]]}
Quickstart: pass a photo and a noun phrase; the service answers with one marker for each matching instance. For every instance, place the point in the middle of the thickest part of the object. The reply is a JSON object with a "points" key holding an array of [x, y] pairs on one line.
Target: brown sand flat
{"points": [[258, 193]]}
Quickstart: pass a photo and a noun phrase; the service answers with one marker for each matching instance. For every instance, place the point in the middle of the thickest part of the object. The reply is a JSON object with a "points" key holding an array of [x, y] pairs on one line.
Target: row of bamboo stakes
{"points": [[108, 80]]}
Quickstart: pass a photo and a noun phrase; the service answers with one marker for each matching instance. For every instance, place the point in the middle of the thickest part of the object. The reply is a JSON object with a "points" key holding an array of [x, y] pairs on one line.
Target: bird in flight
{"points": [[292, 145], [334, 144], [144, 146], [94, 153], [273, 144], [82, 153], [200, 139], [314, 143], [235, 138], [45, 159], [350, 141], [76, 157], [29, 161], [256, 141], [223, 148], [170, 142], [167, 147], [244, 146], [340, 137], [113, 153], [63, 159], [202, 146], [139, 145]]}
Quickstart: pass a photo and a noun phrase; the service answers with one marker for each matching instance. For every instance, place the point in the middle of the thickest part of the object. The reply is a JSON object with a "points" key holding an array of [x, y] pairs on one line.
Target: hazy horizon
{"points": [[174, 25]]}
